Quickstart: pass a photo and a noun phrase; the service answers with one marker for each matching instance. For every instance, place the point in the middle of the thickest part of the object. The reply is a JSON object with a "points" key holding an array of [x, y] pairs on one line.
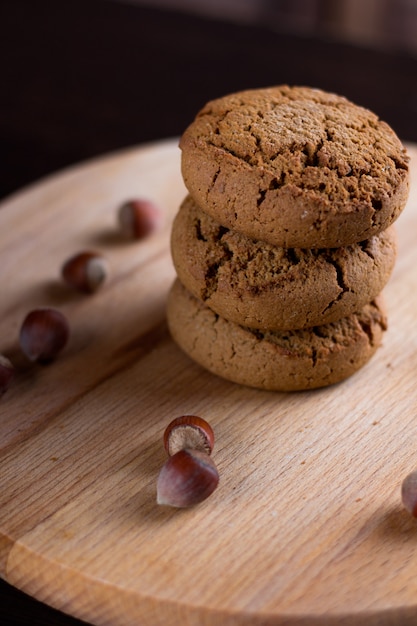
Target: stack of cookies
{"points": [[285, 241]]}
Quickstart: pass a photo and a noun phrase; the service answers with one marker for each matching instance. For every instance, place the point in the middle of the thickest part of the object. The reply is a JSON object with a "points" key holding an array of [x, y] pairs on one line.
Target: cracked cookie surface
{"points": [[279, 361], [262, 286], [296, 167]]}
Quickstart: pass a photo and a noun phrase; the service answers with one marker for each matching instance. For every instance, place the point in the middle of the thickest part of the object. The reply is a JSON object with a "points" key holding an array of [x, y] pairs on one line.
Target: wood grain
{"points": [[306, 526]]}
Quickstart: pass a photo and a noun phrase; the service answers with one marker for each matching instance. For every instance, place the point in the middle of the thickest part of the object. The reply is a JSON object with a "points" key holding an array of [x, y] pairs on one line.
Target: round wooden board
{"points": [[306, 527]]}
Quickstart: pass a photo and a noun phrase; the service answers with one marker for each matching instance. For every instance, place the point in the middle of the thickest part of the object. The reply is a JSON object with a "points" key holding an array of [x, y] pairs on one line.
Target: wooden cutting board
{"points": [[306, 527]]}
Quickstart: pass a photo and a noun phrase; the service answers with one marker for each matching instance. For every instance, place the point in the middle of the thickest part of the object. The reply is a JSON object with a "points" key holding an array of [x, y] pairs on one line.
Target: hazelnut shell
{"points": [[138, 218], [188, 431], [85, 271], [187, 478], [409, 493], [43, 334], [7, 373]]}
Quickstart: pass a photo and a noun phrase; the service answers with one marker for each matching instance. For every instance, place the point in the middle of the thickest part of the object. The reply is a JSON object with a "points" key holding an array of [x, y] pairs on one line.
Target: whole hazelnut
{"points": [[85, 271], [139, 218], [7, 373], [188, 431], [187, 478], [43, 334]]}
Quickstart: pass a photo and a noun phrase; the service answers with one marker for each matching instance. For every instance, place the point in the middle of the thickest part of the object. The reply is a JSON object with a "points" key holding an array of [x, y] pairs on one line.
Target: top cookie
{"points": [[295, 167]]}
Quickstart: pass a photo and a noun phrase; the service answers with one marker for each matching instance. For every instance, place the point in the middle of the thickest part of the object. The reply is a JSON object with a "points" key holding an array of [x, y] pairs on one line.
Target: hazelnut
{"points": [[409, 493], [138, 218], [6, 374], [85, 271], [43, 334], [187, 478], [188, 431]]}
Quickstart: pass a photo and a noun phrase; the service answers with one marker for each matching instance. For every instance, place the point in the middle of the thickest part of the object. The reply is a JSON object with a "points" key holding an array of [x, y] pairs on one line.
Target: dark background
{"points": [[80, 78], [84, 77]]}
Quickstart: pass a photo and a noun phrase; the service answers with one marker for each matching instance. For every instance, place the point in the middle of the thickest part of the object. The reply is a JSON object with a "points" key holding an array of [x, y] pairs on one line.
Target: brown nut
{"points": [[187, 478], [139, 218], [7, 373], [188, 431], [85, 271], [409, 493], [43, 334]]}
